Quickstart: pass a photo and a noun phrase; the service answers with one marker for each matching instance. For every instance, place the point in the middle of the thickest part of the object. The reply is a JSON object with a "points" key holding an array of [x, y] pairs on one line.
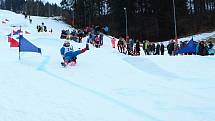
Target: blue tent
{"points": [[189, 48]]}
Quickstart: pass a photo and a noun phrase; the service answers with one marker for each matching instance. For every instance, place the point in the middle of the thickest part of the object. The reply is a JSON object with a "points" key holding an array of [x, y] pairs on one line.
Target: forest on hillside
{"points": [[151, 20], [31, 7], [147, 19]]}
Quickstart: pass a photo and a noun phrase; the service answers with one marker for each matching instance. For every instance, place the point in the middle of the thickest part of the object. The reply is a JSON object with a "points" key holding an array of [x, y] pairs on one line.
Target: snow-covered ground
{"points": [[104, 86]]}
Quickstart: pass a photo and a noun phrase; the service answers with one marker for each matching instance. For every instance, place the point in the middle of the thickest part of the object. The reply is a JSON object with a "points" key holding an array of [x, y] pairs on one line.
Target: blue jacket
{"points": [[106, 29], [68, 53], [65, 50]]}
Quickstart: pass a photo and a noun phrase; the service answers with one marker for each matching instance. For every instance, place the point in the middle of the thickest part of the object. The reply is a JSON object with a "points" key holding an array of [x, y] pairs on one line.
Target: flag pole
{"points": [[175, 21], [19, 56], [19, 40], [19, 47]]}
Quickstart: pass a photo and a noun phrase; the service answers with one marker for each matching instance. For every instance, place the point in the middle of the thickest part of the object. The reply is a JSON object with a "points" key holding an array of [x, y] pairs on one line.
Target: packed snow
{"points": [[105, 85]]}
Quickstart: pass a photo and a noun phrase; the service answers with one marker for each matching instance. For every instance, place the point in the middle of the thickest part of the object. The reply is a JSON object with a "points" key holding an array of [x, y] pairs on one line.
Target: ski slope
{"points": [[104, 86]]}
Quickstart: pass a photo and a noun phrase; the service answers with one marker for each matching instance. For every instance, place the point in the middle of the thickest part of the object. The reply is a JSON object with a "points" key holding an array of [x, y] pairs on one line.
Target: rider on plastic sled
{"points": [[69, 55]]}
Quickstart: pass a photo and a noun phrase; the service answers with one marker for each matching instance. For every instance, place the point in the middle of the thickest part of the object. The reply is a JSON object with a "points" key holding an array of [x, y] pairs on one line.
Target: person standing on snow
{"points": [[113, 40], [157, 49], [210, 48], [162, 49], [30, 20], [130, 46], [101, 38], [137, 48], [68, 53], [97, 41], [121, 45]]}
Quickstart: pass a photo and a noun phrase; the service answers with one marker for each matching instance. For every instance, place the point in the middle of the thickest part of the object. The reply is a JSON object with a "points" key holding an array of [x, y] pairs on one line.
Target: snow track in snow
{"points": [[129, 108]]}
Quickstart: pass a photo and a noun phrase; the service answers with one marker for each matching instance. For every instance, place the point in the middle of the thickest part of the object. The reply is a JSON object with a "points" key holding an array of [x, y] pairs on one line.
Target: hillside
{"points": [[103, 86]]}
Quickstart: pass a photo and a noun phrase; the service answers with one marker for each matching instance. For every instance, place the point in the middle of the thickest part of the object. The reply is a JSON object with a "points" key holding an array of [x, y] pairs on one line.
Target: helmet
{"points": [[66, 43]]}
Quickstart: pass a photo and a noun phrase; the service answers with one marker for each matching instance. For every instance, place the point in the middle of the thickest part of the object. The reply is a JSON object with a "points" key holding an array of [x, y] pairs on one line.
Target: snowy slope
{"points": [[103, 86]]}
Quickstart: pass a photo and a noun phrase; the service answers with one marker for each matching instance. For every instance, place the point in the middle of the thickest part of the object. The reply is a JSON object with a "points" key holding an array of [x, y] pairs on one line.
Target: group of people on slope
{"points": [[132, 47], [29, 17], [151, 48], [75, 35], [96, 39], [96, 36], [202, 48], [69, 55], [43, 28]]}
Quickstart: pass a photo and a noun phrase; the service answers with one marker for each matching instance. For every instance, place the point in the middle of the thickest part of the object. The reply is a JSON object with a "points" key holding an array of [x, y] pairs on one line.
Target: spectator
{"points": [[162, 49]]}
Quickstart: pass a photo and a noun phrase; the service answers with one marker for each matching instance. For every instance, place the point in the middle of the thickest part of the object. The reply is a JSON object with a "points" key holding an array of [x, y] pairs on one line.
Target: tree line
{"points": [[151, 20], [31, 7]]}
